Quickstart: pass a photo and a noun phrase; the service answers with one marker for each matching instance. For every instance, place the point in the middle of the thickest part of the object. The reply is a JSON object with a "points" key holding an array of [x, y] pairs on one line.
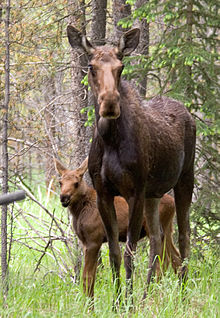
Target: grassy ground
{"points": [[48, 294]]}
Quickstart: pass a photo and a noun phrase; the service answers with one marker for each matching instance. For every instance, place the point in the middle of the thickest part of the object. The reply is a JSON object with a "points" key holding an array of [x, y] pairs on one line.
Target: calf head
{"points": [[105, 68], [72, 185]]}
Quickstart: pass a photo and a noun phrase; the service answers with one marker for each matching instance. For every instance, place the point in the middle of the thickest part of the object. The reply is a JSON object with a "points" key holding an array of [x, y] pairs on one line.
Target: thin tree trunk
{"points": [[189, 23], [4, 263], [1, 10], [50, 130]]}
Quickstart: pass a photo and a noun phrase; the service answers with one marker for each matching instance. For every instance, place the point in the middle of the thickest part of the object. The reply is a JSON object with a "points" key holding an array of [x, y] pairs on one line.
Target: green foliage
{"points": [[184, 55], [90, 111]]}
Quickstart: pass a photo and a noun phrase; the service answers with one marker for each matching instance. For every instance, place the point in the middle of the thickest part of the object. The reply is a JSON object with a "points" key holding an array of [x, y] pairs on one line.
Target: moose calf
{"points": [[81, 201]]}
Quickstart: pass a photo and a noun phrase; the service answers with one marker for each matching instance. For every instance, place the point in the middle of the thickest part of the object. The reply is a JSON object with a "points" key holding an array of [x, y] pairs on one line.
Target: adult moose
{"points": [[140, 150]]}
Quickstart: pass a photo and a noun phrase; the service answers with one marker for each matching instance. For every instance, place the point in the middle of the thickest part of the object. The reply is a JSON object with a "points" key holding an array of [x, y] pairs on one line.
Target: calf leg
{"points": [[169, 249], [167, 212], [89, 271], [183, 196], [108, 215], [152, 216]]}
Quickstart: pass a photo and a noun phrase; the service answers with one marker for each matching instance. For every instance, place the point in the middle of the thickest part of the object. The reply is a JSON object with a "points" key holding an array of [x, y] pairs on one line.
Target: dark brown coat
{"points": [[140, 151]]}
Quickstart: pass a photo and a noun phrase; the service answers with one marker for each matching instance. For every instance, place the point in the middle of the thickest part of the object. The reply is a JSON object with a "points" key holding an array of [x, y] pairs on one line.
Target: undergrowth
{"points": [[49, 293]]}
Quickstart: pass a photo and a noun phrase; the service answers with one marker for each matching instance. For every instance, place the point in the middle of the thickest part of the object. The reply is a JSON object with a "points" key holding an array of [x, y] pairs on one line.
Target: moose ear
{"points": [[83, 167], [78, 40], [129, 41], [59, 167]]}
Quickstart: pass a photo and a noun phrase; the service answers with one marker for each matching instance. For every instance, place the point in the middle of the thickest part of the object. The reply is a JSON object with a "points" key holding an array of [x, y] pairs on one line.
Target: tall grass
{"points": [[50, 293]]}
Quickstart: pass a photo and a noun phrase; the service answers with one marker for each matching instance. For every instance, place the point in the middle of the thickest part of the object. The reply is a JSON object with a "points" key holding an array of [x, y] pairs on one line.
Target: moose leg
{"points": [[152, 216], [108, 215], [89, 271], [136, 206], [183, 197]]}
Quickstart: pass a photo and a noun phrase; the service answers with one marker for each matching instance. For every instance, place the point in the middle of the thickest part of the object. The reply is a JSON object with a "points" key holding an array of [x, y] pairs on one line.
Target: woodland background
{"points": [[47, 108]]}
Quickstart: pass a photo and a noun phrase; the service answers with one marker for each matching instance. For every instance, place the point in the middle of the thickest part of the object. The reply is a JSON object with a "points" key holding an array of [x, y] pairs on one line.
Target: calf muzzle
{"points": [[65, 200]]}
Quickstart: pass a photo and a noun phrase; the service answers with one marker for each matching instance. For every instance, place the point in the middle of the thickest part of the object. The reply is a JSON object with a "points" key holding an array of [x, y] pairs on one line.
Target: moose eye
{"points": [[60, 183], [76, 184]]}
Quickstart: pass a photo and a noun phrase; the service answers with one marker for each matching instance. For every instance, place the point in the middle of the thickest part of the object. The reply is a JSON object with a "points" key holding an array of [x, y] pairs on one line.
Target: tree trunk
{"points": [[4, 263], [79, 91], [143, 47], [120, 10], [98, 27]]}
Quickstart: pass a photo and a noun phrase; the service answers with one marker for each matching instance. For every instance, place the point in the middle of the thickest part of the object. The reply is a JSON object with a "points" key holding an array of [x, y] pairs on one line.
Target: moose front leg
{"points": [[108, 215], [136, 205]]}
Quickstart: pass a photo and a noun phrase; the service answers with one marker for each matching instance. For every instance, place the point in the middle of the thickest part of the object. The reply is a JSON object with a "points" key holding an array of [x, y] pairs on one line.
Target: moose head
{"points": [[105, 68]]}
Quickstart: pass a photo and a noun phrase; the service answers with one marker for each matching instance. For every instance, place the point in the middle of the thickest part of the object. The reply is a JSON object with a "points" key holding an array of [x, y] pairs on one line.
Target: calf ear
{"points": [[78, 40], [129, 41], [59, 167], [83, 167]]}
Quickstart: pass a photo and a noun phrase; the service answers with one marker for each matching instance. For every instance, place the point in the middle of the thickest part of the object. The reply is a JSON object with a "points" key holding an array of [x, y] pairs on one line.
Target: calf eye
{"points": [[76, 184]]}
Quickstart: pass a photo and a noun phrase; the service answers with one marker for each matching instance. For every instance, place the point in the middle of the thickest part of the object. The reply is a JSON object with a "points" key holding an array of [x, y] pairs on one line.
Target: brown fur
{"points": [[88, 226], [140, 150]]}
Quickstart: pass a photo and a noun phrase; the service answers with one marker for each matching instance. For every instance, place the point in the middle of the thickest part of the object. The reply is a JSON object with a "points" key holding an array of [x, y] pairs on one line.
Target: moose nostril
{"points": [[110, 115]]}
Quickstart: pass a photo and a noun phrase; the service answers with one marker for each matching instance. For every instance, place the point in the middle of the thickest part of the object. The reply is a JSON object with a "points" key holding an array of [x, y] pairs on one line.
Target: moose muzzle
{"points": [[109, 105]]}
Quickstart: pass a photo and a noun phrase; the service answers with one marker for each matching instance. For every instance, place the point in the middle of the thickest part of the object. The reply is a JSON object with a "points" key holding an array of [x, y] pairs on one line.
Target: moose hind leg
{"points": [[152, 217], [183, 197]]}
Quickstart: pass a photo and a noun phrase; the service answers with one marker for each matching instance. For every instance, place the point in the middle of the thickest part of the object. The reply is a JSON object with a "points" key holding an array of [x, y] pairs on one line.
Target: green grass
{"points": [[50, 292]]}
